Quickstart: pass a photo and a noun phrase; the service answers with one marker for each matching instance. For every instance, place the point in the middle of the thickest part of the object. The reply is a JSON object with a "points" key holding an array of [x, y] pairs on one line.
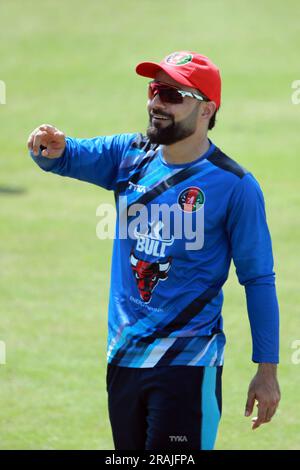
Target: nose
{"points": [[156, 102], [157, 106]]}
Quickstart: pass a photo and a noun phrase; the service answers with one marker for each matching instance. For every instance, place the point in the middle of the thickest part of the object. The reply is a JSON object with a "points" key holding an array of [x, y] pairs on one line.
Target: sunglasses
{"points": [[170, 94]]}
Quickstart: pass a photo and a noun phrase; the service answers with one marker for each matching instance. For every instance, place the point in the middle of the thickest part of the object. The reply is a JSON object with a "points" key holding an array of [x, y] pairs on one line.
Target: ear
{"points": [[208, 109]]}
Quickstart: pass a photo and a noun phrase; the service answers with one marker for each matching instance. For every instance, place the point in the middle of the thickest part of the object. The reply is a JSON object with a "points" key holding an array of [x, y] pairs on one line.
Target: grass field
{"points": [[72, 64]]}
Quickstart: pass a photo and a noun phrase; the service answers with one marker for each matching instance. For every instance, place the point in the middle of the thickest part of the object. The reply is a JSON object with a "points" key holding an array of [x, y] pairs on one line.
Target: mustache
{"points": [[160, 113]]}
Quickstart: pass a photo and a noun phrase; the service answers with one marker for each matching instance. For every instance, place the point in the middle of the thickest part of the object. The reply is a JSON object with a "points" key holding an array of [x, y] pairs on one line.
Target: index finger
{"points": [[39, 138], [43, 127], [31, 138], [271, 412], [262, 415]]}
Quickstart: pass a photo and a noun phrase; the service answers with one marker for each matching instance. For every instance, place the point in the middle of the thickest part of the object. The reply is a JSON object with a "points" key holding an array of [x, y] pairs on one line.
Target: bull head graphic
{"points": [[147, 274]]}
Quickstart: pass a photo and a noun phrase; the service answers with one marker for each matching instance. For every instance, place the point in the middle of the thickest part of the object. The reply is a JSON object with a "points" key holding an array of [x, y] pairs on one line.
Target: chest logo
{"points": [[148, 274], [152, 243], [191, 199]]}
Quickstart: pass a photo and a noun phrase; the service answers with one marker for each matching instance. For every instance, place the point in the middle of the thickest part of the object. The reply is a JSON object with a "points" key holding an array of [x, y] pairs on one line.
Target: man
{"points": [[166, 340]]}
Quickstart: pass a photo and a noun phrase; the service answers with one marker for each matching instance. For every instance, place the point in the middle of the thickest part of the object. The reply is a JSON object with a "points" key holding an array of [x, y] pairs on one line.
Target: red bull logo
{"points": [[148, 274], [151, 242]]}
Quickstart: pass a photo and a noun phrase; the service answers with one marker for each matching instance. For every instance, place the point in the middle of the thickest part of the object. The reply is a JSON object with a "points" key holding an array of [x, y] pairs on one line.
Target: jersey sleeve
{"points": [[251, 249], [94, 160]]}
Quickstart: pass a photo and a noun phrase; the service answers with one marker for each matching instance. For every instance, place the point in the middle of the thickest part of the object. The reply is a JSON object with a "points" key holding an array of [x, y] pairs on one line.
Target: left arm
{"points": [[252, 255]]}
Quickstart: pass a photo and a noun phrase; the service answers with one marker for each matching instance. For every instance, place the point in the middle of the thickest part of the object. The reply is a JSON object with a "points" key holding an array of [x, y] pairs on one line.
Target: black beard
{"points": [[175, 131]]}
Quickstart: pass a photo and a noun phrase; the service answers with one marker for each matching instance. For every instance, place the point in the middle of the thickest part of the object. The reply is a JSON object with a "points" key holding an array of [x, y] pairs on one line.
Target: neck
{"points": [[186, 150]]}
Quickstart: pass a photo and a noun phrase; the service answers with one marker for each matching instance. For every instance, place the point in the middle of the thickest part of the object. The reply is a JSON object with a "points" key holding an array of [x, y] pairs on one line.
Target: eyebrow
{"points": [[190, 90]]}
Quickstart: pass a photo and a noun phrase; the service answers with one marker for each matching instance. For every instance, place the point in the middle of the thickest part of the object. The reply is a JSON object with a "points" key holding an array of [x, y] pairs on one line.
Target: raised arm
{"points": [[94, 160]]}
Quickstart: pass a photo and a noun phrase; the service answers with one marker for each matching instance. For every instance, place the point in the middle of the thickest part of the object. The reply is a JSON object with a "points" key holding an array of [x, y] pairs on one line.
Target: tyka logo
{"points": [[136, 187], [178, 438], [147, 274]]}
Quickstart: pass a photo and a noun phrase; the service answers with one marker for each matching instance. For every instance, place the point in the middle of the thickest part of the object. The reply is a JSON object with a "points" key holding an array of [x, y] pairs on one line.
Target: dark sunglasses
{"points": [[170, 94]]}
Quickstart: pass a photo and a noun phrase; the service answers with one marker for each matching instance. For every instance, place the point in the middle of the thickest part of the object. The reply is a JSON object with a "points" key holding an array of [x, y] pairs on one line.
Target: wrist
{"points": [[267, 368]]}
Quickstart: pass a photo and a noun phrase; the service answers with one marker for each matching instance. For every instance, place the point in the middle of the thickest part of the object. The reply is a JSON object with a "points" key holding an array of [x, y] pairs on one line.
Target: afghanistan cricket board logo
{"points": [[191, 199], [179, 58]]}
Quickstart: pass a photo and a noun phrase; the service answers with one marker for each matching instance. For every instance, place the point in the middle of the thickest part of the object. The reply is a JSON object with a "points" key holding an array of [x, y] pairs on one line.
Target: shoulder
{"points": [[227, 164], [240, 182]]}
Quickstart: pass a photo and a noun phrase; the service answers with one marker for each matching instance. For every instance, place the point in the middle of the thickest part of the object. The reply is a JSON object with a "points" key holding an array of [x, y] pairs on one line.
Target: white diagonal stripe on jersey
{"points": [[158, 351], [214, 358], [222, 358], [201, 353]]}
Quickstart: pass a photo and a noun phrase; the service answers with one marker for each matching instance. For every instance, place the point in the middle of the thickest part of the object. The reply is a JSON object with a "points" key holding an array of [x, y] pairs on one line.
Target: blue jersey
{"points": [[166, 296]]}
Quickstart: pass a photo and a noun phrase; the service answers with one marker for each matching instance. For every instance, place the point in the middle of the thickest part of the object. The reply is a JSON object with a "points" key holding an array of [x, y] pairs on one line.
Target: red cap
{"points": [[190, 69]]}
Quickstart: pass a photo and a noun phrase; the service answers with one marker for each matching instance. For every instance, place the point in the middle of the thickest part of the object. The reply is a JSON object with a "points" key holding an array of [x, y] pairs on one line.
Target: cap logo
{"points": [[178, 58]]}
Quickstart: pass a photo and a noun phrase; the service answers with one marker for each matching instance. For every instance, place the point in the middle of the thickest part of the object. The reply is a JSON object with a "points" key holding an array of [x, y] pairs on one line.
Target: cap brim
{"points": [[150, 69]]}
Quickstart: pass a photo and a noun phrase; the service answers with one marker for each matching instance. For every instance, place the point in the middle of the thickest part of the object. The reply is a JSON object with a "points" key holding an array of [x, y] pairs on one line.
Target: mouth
{"points": [[158, 118]]}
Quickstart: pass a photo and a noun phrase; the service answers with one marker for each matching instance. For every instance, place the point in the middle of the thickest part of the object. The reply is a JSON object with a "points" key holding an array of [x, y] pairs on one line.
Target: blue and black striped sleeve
{"points": [[251, 248], [94, 160]]}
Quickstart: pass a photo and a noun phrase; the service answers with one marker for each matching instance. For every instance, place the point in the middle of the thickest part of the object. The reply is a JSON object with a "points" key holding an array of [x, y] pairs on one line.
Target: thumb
{"points": [[250, 404]]}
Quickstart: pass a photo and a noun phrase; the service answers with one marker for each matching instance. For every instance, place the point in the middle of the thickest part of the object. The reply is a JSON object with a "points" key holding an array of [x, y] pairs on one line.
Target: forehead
{"points": [[162, 76]]}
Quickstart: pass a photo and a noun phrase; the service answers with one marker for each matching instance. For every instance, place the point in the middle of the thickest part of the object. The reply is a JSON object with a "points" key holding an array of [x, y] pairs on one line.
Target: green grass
{"points": [[72, 64]]}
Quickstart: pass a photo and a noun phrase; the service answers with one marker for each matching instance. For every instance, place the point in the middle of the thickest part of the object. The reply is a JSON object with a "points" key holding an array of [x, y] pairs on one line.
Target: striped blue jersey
{"points": [[178, 228]]}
